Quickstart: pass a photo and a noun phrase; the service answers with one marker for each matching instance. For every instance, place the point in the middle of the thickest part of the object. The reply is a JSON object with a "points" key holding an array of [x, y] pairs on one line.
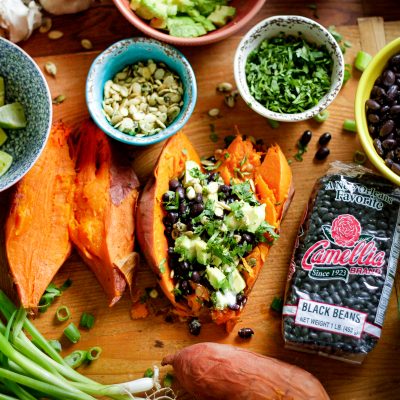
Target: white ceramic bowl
{"points": [[289, 25]]}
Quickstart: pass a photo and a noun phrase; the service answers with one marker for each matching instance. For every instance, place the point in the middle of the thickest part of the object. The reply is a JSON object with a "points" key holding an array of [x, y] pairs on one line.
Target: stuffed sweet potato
{"points": [[104, 205], [206, 230], [37, 239]]}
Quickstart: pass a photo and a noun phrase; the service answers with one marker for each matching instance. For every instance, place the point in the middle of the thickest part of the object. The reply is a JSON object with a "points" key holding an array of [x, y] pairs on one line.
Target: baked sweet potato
{"points": [[37, 239], [239, 164], [211, 371], [104, 205]]}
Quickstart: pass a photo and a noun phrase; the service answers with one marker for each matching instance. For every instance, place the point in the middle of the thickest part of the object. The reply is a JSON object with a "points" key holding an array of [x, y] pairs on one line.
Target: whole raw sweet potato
{"points": [[271, 180], [211, 371], [104, 205], [37, 239]]}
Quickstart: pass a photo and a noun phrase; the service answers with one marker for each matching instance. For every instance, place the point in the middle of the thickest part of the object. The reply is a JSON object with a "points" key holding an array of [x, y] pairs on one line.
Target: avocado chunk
{"points": [[216, 277], [189, 179], [203, 257], [221, 15], [236, 282], [185, 27], [252, 218], [185, 247]]}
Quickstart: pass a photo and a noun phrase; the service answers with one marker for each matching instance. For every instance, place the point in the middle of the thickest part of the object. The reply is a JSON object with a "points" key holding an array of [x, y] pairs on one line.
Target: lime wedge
{"points": [[2, 91], [3, 137], [5, 162], [12, 116]]}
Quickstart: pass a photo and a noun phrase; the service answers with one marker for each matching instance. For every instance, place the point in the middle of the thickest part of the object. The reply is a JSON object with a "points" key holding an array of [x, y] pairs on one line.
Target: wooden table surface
{"points": [[132, 346]]}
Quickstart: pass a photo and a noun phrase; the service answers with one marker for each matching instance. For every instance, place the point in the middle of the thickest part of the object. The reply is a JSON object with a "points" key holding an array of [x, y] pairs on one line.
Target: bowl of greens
{"points": [[189, 23], [25, 113], [288, 68]]}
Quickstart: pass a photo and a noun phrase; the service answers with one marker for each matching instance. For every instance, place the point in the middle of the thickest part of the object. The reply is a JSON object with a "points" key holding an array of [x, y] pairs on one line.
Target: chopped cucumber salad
{"points": [[185, 18], [212, 229], [12, 116]]}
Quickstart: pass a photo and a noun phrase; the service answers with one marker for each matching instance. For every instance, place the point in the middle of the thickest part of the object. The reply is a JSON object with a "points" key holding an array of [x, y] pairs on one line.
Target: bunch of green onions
{"points": [[33, 369]]}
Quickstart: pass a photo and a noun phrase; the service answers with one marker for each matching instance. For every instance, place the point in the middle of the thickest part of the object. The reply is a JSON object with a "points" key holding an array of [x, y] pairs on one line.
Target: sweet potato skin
{"points": [[211, 371], [104, 204], [36, 238]]}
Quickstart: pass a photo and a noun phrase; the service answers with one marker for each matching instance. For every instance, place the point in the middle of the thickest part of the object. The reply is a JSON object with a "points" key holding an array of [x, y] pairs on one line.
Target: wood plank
{"points": [[372, 34], [130, 347]]}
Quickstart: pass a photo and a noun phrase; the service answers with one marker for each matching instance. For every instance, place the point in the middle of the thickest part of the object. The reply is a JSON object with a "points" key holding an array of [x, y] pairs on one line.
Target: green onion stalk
{"points": [[34, 369]]}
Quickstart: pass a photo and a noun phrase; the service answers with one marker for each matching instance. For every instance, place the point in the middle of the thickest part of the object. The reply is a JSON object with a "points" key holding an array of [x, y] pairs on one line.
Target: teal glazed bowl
{"points": [[25, 83], [127, 52]]}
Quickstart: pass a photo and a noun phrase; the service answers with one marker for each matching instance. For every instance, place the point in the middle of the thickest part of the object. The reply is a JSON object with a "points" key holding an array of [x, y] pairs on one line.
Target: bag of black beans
{"points": [[343, 266]]}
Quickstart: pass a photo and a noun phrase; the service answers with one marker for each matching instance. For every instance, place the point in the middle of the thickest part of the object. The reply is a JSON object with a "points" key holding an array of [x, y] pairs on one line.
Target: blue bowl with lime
{"points": [[25, 113], [140, 91]]}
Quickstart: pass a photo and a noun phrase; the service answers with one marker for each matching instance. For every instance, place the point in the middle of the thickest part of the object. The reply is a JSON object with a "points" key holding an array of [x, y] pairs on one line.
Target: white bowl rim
{"points": [[49, 98], [295, 117]]}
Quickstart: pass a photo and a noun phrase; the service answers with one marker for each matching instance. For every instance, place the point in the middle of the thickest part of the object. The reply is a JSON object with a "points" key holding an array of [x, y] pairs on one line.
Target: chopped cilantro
{"points": [[289, 74], [173, 202], [244, 192], [148, 373], [226, 156], [196, 173]]}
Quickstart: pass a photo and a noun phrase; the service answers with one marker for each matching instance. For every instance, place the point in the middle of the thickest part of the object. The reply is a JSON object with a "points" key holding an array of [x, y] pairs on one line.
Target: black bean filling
{"points": [[362, 293], [183, 214], [383, 114]]}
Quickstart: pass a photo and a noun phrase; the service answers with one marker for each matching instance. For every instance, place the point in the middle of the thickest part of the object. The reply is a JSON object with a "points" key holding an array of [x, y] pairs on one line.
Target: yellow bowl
{"points": [[374, 69]]}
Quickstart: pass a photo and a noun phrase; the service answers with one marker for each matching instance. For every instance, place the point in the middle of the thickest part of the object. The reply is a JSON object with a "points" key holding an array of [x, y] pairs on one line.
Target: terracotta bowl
{"points": [[246, 10]]}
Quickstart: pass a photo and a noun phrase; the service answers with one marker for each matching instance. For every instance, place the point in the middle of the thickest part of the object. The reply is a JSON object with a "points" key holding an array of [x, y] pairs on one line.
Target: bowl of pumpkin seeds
{"points": [[140, 91]]}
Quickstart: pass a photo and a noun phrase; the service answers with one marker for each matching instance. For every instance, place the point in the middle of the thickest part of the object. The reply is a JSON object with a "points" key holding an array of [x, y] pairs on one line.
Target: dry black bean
{"points": [[378, 147], [388, 78], [395, 167], [305, 138], [372, 104], [392, 92], [395, 110], [322, 153], [245, 333], [324, 139], [389, 144], [373, 118], [387, 127]]}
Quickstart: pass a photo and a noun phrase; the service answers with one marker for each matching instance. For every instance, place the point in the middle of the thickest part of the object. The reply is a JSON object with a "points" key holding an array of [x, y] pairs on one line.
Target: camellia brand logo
{"points": [[357, 253]]}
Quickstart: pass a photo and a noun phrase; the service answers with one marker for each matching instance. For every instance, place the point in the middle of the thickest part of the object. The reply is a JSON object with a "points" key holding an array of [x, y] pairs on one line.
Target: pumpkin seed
{"points": [[54, 35], [50, 68], [230, 101], [143, 91], [86, 44], [214, 112], [224, 87], [46, 25]]}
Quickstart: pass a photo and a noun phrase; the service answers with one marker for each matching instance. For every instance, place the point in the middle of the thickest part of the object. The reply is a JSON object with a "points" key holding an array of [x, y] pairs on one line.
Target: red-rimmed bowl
{"points": [[246, 10]]}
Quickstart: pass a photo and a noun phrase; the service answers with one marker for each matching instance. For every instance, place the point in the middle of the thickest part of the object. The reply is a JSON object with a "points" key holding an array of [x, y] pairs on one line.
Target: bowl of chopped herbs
{"points": [[288, 68]]}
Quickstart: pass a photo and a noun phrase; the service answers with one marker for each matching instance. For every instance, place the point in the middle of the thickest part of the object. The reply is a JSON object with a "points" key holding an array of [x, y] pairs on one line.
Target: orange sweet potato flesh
{"points": [[37, 239], [104, 204], [243, 163], [150, 228], [211, 371]]}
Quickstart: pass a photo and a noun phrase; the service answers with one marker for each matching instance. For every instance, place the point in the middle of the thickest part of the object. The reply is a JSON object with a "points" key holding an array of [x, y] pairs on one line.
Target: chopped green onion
{"points": [[56, 345], [168, 379], [63, 313], [94, 353], [347, 44], [277, 304], [362, 60], [347, 73], [322, 116], [350, 125], [51, 293], [148, 373], [273, 124], [72, 333], [336, 35], [359, 157], [87, 321], [76, 358]]}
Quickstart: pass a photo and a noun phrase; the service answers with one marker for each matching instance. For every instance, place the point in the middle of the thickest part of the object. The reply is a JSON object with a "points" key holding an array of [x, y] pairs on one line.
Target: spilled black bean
{"points": [[245, 333], [325, 138], [322, 153], [305, 138]]}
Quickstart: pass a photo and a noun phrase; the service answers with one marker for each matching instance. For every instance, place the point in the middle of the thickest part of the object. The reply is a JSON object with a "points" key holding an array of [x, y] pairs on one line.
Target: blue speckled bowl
{"points": [[130, 51], [24, 82]]}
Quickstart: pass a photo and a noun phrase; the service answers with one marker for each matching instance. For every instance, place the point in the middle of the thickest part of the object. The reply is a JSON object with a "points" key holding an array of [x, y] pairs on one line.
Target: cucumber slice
{"points": [[2, 91], [3, 137], [5, 162], [12, 116]]}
